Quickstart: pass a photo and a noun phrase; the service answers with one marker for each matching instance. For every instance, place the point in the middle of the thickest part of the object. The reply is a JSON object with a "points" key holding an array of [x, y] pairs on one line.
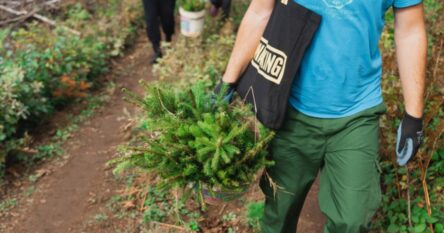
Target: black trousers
{"points": [[225, 5], [157, 13]]}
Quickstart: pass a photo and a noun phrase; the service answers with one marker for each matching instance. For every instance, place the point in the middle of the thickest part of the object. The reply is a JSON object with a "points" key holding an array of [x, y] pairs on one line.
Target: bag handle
{"points": [[250, 89]]}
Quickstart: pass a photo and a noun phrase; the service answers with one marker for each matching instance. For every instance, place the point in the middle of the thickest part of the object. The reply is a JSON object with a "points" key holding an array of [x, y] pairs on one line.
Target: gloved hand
{"points": [[226, 90], [409, 138]]}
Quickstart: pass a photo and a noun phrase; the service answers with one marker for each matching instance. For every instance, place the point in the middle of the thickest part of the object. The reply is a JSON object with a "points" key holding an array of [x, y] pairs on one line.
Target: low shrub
{"points": [[43, 68]]}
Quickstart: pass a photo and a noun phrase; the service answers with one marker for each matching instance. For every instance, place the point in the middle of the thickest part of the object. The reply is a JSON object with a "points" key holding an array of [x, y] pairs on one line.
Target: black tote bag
{"points": [[267, 81]]}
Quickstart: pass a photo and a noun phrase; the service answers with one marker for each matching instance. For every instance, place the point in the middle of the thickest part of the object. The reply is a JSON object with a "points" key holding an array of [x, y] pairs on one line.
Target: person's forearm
{"points": [[411, 50], [248, 38]]}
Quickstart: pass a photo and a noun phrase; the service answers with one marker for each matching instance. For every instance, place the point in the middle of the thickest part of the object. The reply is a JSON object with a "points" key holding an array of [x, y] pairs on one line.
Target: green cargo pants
{"points": [[344, 150]]}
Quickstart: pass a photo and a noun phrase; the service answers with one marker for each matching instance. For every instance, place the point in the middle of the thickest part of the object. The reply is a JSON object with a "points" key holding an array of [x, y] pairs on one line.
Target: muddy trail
{"points": [[74, 190]]}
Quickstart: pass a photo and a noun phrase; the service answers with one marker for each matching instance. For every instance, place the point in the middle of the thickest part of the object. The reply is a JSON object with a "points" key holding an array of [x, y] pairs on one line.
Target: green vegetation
{"points": [[192, 5], [5, 205], [413, 198], [254, 213], [100, 217], [43, 69], [190, 141]]}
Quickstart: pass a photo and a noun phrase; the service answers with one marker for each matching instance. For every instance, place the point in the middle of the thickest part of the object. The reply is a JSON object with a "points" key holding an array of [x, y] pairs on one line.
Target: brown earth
{"points": [[76, 189]]}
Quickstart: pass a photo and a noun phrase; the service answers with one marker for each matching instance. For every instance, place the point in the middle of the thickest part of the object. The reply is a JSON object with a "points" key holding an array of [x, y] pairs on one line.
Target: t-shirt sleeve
{"points": [[405, 3]]}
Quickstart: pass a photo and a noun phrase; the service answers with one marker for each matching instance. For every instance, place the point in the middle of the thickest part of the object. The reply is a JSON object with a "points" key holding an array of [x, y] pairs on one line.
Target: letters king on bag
{"points": [[269, 62]]}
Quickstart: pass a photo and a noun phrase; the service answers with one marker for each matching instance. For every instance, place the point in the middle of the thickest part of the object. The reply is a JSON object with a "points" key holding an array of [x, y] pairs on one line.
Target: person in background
{"points": [[224, 4], [159, 12]]}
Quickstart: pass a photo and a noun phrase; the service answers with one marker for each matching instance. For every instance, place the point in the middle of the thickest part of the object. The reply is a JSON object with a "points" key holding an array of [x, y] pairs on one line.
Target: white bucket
{"points": [[191, 23]]}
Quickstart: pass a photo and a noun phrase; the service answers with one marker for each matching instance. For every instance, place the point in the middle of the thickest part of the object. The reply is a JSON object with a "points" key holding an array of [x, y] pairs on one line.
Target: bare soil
{"points": [[75, 190]]}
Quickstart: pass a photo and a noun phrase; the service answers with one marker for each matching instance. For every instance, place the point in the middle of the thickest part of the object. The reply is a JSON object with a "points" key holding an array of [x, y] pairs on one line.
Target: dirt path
{"points": [[66, 197], [77, 186]]}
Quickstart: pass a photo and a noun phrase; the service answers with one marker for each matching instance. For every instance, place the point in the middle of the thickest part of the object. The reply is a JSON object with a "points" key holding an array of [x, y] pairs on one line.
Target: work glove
{"points": [[409, 138], [225, 91]]}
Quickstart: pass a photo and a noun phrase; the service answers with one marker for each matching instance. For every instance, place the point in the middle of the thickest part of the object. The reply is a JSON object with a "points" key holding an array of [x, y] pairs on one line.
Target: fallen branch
{"points": [[169, 225], [28, 151], [18, 19], [39, 17], [221, 211], [52, 2]]}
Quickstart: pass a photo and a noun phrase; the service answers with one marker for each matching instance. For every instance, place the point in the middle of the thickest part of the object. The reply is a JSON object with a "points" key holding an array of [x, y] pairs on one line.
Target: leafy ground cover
{"points": [[413, 195], [42, 69]]}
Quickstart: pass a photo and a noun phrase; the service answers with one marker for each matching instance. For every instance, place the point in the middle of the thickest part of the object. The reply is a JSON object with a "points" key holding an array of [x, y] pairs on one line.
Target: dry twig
{"points": [[169, 226], [39, 17]]}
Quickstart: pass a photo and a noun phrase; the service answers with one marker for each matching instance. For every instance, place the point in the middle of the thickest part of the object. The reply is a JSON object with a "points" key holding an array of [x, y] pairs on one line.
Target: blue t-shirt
{"points": [[340, 73]]}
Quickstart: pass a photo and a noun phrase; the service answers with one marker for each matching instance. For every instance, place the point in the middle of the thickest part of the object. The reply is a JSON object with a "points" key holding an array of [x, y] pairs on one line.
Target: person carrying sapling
{"points": [[332, 122]]}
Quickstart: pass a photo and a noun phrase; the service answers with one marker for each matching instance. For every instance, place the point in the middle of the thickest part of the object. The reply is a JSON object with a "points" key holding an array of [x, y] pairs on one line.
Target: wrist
{"points": [[230, 85], [229, 79], [414, 109], [414, 114], [412, 120]]}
